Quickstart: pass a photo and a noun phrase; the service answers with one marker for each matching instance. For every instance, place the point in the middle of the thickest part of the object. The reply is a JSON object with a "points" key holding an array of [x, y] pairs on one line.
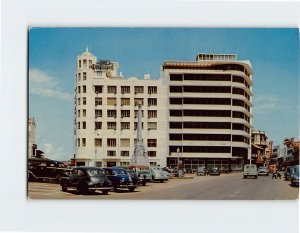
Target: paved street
{"points": [[223, 187]]}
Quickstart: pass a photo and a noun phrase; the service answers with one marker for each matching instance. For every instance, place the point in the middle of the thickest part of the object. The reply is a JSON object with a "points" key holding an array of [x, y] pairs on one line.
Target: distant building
{"points": [[198, 110], [260, 146], [31, 137]]}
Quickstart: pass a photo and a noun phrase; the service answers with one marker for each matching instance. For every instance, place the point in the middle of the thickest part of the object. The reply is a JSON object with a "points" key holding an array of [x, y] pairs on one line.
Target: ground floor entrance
{"points": [[191, 164]]}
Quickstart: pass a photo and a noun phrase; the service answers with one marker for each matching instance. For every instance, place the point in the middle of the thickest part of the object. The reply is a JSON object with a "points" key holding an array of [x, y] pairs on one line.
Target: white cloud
{"points": [[269, 102], [54, 153], [44, 85]]}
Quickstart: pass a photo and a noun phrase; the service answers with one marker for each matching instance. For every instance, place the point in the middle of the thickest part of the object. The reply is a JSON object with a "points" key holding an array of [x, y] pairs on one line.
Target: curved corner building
{"points": [[210, 111]]}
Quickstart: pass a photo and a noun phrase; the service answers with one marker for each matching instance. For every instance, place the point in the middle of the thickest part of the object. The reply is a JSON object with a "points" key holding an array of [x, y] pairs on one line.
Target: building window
{"points": [[135, 125], [152, 114], [125, 142], [125, 125], [84, 89], [78, 90], [90, 63], [175, 77], [78, 141], [98, 125], [78, 101], [84, 63], [112, 89], [84, 112], [151, 143], [112, 101], [138, 89], [152, 125], [153, 164], [84, 75], [111, 125], [111, 153], [136, 113], [78, 113], [151, 153], [98, 142], [83, 142], [124, 164], [125, 113], [125, 89], [79, 65], [84, 125], [112, 113], [98, 113], [138, 100], [79, 76], [152, 90], [111, 142], [125, 101], [152, 102], [125, 154], [84, 100], [98, 164], [98, 101], [98, 89], [78, 125]]}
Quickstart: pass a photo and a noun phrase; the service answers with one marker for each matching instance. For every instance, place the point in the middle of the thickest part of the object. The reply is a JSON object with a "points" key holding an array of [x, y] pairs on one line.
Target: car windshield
{"points": [[95, 172], [118, 171]]}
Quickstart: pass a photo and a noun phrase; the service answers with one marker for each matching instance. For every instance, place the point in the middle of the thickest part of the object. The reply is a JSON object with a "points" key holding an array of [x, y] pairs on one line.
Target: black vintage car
{"points": [[120, 178], [85, 180], [214, 171]]}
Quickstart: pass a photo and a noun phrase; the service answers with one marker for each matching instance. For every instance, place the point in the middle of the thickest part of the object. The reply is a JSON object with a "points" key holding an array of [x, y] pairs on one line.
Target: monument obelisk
{"points": [[140, 156]]}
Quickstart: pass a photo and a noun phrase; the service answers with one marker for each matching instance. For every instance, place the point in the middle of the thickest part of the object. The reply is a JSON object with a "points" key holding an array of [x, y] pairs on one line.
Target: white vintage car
{"points": [[158, 174]]}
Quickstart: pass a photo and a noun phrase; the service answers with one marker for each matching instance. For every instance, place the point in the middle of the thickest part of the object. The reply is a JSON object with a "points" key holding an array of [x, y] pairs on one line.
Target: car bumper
{"points": [[101, 188]]}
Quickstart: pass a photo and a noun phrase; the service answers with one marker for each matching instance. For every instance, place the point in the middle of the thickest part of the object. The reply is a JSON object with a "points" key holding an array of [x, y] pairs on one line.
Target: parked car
{"points": [[202, 171], [158, 174], [263, 171], [287, 173], [120, 178], [214, 171], [295, 176], [140, 172], [250, 170], [85, 180], [224, 170]]}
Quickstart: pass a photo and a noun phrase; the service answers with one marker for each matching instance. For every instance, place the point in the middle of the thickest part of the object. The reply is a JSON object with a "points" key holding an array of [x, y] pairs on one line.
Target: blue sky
{"points": [[273, 53]]}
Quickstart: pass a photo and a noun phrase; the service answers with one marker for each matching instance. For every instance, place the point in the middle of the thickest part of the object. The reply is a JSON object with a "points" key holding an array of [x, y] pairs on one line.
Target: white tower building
{"points": [[106, 114]]}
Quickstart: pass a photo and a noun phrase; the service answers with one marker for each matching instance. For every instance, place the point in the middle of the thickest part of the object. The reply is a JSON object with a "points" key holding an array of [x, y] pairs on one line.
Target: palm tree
{"points": [[288, 142]]}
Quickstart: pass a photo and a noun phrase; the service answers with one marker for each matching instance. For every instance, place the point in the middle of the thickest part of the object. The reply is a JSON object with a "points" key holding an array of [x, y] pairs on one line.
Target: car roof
{"points": [[87, 168]]}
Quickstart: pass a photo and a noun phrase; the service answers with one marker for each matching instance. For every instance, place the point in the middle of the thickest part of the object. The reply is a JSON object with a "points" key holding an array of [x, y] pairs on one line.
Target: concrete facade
{"points": [[202, 107]]}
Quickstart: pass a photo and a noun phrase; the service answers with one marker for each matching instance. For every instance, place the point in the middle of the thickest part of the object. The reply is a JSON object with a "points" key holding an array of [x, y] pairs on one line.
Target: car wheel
{"points": [[144, 182], [161, 181], [245, 177], [255, 177], [64, 188], [104, 192], [131, 189], [115, 188], [82, 188]]}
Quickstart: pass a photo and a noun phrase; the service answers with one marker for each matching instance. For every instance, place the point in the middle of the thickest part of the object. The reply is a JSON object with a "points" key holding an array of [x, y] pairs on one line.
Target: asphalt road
{"points": [[224, 187]]}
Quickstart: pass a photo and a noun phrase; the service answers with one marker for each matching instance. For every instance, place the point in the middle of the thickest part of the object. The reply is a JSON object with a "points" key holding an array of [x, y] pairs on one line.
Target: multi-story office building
{"points": [[209, 110], [199, 111], [106, 114]]}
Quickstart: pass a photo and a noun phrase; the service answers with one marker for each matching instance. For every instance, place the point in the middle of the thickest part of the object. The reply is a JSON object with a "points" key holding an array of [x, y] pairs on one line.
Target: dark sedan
{"points": [[120, 178], [85, 180], [214, 171]]}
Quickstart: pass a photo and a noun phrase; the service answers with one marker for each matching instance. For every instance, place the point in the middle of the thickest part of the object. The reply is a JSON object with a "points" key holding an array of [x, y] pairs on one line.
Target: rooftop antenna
{"points": [[90, 48]]}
